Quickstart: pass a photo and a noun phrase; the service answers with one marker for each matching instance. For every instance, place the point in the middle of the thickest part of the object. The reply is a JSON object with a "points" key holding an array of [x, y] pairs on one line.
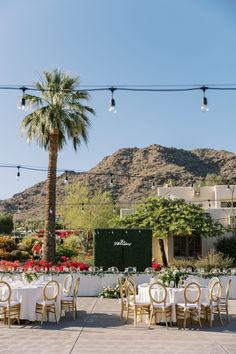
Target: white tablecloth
{"points": [[174, 296]]}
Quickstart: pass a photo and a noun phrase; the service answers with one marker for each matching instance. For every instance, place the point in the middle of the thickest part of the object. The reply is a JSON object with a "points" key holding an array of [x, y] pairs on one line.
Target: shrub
{"points": [[73, 242], [6, 223], [184, 263], [214, 260], [227, 245], [5, 255], [64, 251], [7, 243], [18, 254], [27, 243]]}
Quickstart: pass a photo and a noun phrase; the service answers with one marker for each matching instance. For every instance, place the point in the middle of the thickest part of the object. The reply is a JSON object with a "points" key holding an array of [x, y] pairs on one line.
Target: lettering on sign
{"points": [[122, 243]]}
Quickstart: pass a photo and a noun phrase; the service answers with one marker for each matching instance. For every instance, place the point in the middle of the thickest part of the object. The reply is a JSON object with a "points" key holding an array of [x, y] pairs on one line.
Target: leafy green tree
{"points": [[6, 223], [84, 212], [58, 115], [168, 217]]}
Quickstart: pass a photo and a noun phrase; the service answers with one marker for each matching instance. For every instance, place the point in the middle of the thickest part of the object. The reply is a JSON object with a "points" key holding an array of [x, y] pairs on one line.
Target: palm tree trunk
{"points": [[49, 250]]}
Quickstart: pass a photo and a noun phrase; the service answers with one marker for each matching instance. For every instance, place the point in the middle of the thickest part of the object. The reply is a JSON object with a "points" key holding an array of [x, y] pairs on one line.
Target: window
{"points": [[186, 246], [228, 204]]}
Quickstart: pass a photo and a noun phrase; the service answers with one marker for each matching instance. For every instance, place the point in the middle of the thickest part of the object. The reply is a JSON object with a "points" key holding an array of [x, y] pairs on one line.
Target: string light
{"points": [[204, 105], [22, 103], [50, 211], [112, 101], [66, 181], [130, 88], [153, 187], [114, 208], [18, 173], [111, 183]]}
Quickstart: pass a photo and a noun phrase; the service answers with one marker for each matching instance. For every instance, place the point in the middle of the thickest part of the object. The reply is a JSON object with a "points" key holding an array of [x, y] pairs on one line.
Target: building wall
{"points": [[210, 198]]}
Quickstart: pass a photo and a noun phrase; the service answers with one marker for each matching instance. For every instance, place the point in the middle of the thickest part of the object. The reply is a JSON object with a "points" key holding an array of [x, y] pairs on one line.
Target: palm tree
{"points": [[57, 116]]}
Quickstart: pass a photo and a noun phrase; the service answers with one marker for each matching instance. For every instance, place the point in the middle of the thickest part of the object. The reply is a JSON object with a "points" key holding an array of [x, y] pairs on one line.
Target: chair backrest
{"points": [[227, 291], [55, 293], [67, 284], [212, 282], [130, 291], [162, 293], [76, 288], [192, 293], [215, 292], [5, 294]]}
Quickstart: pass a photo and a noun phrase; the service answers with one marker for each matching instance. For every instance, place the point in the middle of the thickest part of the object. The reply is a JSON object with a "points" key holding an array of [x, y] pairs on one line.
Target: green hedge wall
{"points": [[108, 253]]}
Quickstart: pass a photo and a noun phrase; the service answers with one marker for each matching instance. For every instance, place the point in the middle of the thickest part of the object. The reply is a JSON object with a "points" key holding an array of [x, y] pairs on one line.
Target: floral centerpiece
{"points": [[174, 275]]}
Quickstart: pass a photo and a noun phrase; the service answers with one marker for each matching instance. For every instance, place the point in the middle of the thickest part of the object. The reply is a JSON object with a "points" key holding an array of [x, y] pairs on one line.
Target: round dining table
{"points": [[174, 296], [28, 295]]}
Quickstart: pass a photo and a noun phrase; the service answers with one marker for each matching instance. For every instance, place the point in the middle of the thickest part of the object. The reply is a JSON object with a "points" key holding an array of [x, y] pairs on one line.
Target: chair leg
{"points": [[42, 315], [127, 314], [227, 312], [150, 318], [165, 319], [210, 317], [135, 316], [185, 318], [218, 308], [9, 318]]}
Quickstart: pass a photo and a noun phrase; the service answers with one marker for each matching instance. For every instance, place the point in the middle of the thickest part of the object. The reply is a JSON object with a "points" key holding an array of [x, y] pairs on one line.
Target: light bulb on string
{"points": [[18, 173], [204, 104], [192, 184], [112, 107], [111, 183], [153, 187], [66, 181], [114, 208], [22, 102], [50, 211]]}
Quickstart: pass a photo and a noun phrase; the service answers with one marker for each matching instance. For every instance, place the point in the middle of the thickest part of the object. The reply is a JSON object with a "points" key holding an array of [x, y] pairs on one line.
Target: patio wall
{"points": [[91, 285]]}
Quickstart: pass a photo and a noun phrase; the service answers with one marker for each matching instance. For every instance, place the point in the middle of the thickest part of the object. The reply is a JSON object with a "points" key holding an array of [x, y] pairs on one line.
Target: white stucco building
{"points": [[219, 201]]}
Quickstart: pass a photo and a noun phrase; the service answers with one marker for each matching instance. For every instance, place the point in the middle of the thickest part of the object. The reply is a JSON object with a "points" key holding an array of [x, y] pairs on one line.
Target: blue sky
{"points": [[125, 42]]}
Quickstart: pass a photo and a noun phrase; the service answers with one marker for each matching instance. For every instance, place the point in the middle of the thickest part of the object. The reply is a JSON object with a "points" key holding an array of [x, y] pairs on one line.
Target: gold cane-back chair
{"points": [[133, 304], [69, 303], [191, 306], [213, 306], [49, 303], [9, 309], [159, 305], [212, 282], [67, 284], [224, 303]]}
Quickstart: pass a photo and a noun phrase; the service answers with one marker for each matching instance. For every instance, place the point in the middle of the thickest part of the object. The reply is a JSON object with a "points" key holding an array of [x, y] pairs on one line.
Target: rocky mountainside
{"points": [[133, 172]]}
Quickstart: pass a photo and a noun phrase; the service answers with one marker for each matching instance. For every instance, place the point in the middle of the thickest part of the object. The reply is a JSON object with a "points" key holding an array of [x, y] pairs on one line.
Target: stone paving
{"points": [[99, 329]]}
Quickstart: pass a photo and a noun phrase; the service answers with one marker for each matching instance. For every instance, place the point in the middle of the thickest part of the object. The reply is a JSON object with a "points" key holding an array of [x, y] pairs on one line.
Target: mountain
{"points": [[133, 172]]}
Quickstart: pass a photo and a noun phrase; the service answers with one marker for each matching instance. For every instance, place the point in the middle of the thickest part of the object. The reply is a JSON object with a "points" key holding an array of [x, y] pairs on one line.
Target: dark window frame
{"points": [[187, 246]]}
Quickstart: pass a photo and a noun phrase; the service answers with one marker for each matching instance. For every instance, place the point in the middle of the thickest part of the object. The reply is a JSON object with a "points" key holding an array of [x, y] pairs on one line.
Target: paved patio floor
{"points": [[99, 329]]}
